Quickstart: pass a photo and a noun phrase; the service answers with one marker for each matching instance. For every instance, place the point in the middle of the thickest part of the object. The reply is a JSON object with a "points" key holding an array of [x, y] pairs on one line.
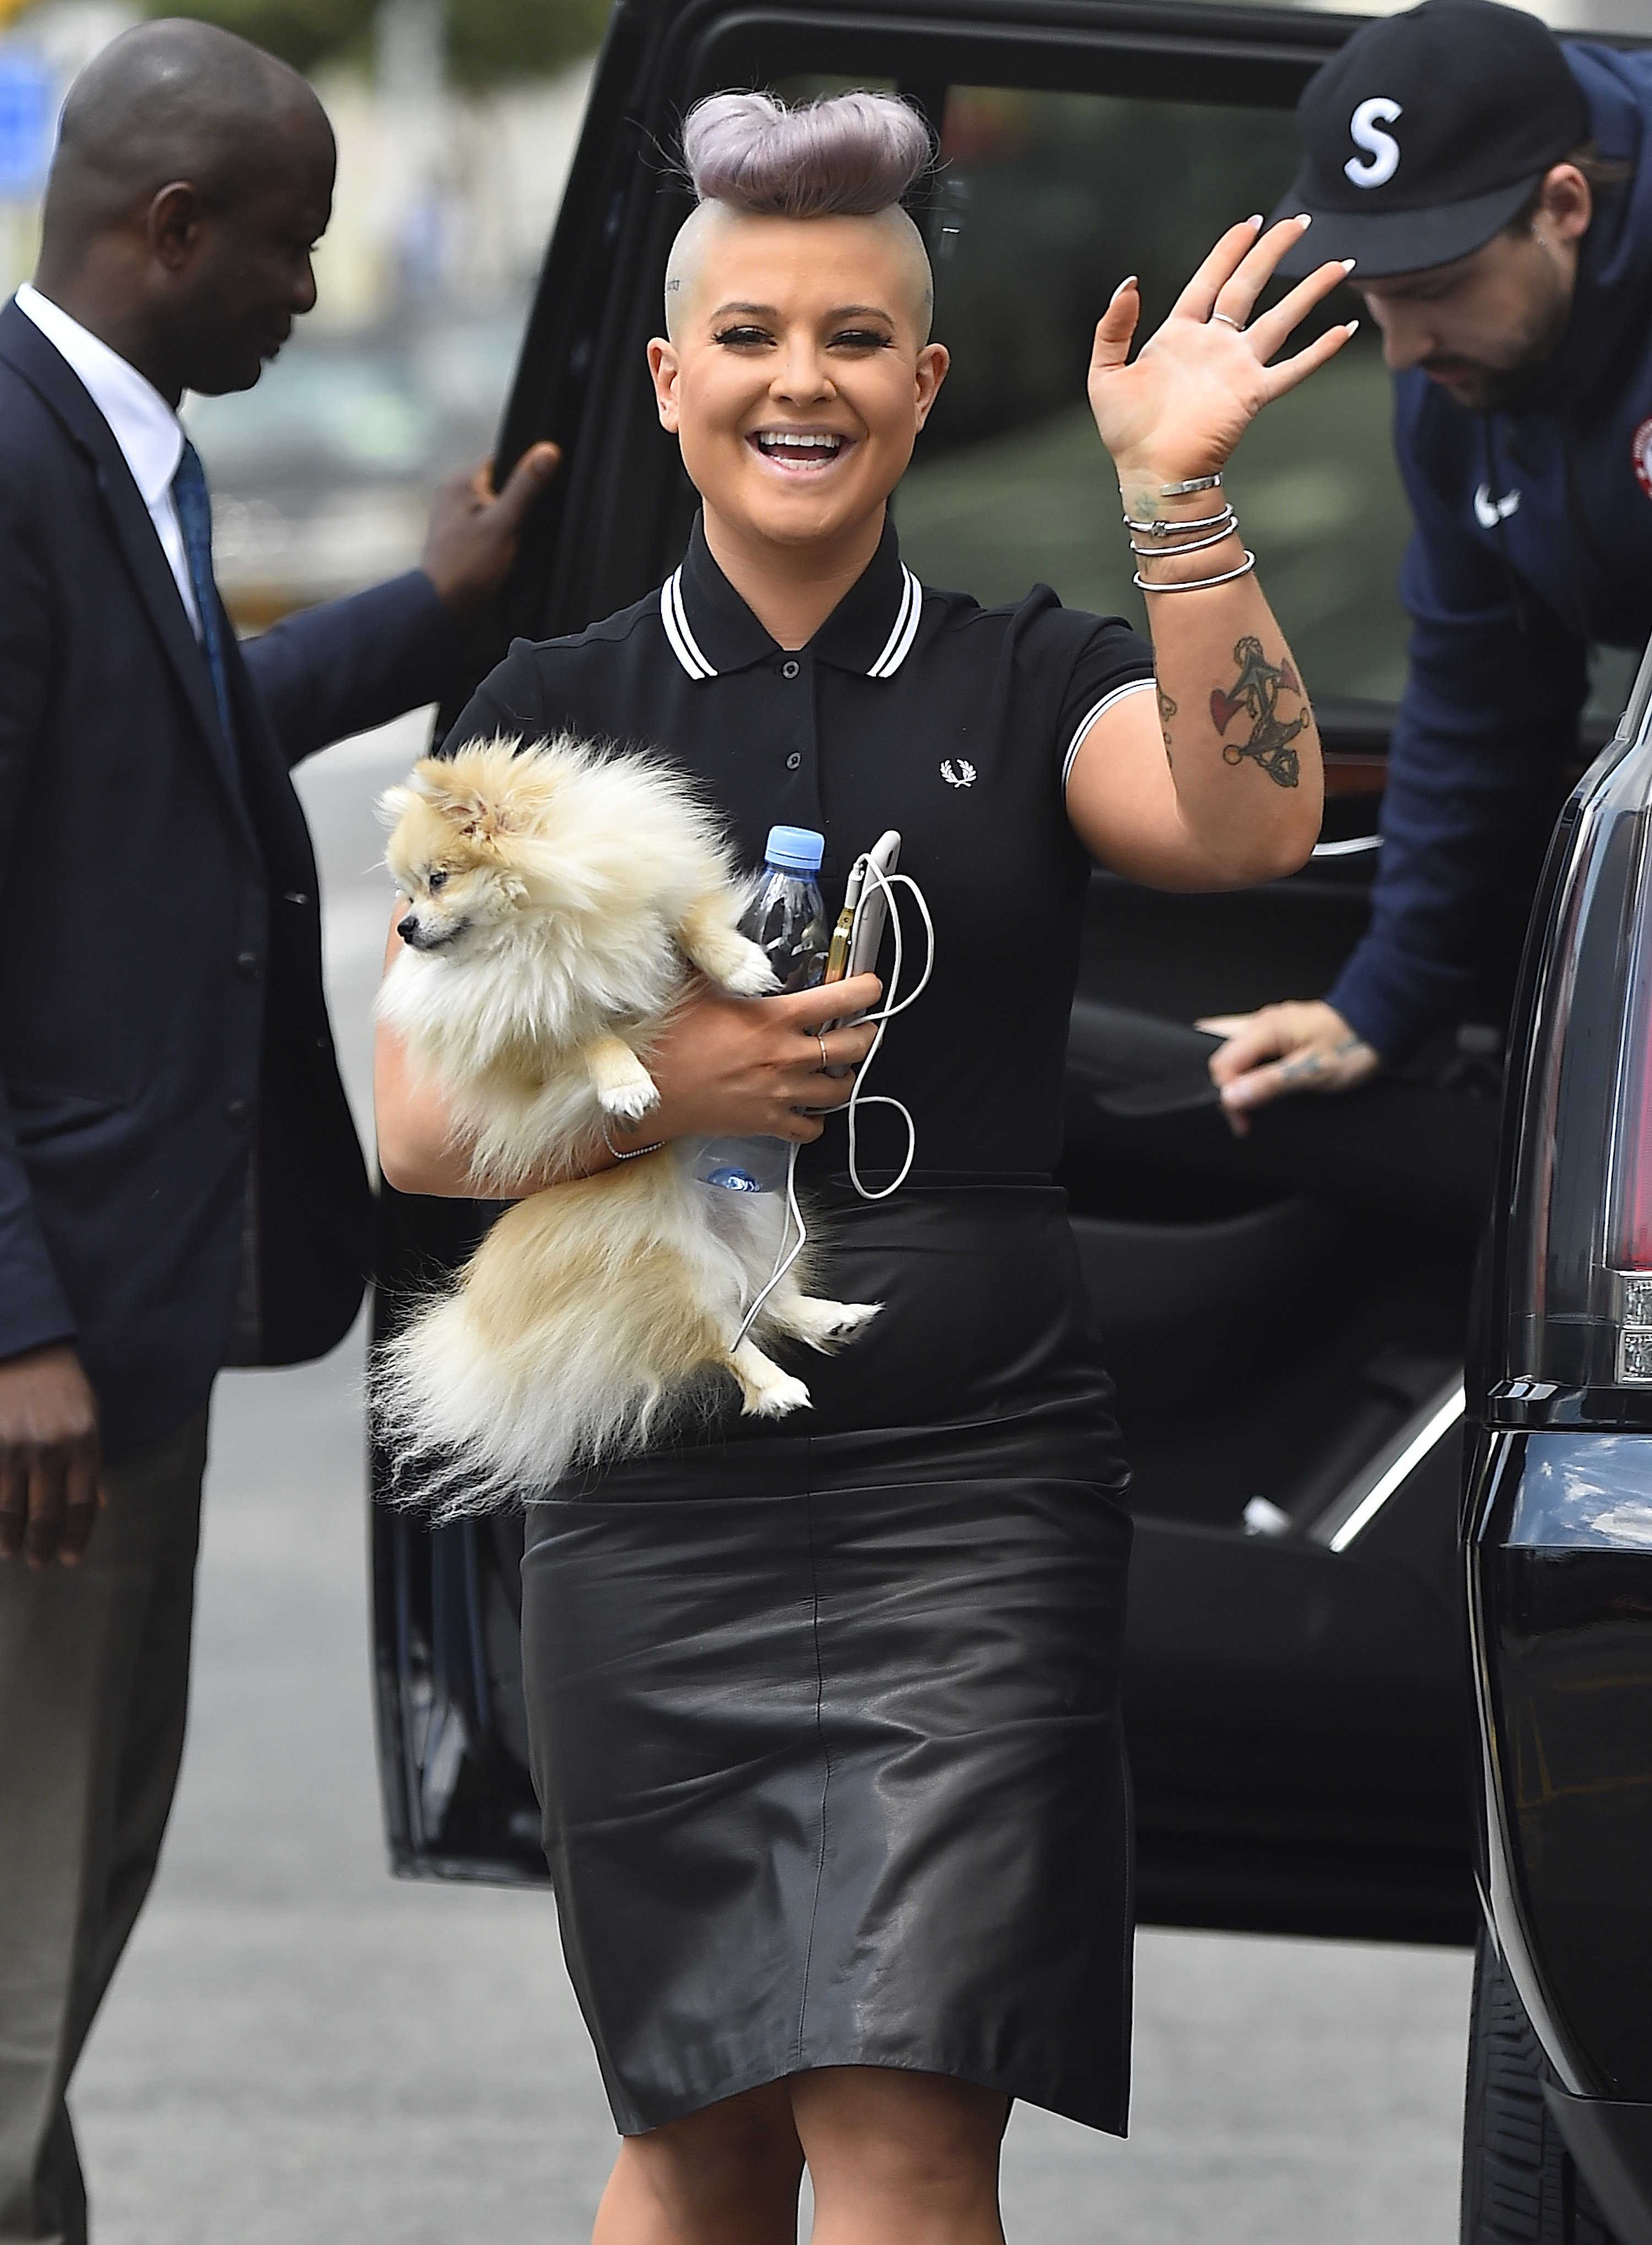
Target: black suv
{"points": [[1285, 1314]]}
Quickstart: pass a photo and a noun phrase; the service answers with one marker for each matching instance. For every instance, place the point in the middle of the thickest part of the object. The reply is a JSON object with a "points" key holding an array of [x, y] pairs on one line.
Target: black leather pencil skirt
{"points": [[825, 1724]]}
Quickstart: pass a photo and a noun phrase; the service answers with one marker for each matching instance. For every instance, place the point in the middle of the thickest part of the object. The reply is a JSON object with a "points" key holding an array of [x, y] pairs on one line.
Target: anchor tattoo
{"points": [[1257, 690]]}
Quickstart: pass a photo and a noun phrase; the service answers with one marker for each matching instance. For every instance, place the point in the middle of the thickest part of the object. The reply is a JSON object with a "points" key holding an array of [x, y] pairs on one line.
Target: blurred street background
{"points": [[454, 132], [297, 2048]]}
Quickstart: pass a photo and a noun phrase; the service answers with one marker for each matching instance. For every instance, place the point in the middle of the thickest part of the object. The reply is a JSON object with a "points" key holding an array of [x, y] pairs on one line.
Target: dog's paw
{"points": [[775, 1400], [766, 1392], [631, 1101], [745, 971], [826, 1325]]}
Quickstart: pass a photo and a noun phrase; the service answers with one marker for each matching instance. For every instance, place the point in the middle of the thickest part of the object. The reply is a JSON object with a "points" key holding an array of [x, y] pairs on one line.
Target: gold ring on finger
{"points": [[820, 1038]]}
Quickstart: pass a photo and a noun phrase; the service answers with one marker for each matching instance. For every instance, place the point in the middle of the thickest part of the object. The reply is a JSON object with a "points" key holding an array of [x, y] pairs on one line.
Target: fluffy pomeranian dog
{"points": [[559, 895]]}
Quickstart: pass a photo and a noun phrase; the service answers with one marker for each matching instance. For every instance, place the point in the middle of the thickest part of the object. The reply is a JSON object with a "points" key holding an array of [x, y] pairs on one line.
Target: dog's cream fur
{"points": [[557, 895]]}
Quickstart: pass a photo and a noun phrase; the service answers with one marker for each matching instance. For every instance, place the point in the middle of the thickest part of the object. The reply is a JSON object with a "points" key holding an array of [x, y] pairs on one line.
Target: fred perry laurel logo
{"points": [[961, 774]]}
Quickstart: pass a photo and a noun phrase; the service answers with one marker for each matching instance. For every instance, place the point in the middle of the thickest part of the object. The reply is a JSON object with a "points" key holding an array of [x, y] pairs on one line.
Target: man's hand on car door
{"points": [[473, 532], [1303, 1045]]}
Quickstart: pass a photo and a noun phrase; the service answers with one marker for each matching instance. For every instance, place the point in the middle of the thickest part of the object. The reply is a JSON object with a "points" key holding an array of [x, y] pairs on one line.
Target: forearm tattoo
{"points": [[1167, 711], [1256, 691]]}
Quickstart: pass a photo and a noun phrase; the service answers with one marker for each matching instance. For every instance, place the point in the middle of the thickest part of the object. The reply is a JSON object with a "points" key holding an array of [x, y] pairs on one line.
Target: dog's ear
{"points": [[435, 783], [475, 817], [482, 819], [474, 808]]}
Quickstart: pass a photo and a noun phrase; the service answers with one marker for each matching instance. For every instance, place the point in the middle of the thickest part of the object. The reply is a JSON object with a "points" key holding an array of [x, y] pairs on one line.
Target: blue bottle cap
{"points": [[796, 849]]}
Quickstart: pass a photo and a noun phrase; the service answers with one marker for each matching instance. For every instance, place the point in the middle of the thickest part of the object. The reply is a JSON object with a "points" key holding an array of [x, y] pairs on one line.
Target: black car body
{"points": [[1285, 1314], [1558, 1510]]}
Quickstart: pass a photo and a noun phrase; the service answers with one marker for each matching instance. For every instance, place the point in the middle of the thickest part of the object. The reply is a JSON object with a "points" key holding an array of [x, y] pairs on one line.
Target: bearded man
{"points": [[1495, 188]]}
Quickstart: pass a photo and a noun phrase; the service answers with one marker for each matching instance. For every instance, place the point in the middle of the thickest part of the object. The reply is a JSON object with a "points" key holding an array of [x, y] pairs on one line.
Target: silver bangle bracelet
{"points": [[636, 1153], [1229, 529], [1197, 584], [1160, 528], [1194, 484]]}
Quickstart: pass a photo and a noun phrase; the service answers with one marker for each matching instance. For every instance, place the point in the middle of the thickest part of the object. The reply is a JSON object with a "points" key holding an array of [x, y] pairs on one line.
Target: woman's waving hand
{"points": [[1220, 783]]}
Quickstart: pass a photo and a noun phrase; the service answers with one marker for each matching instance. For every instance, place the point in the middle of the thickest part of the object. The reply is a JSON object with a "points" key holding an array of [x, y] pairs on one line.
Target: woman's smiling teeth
{"points": [[799, 451]]}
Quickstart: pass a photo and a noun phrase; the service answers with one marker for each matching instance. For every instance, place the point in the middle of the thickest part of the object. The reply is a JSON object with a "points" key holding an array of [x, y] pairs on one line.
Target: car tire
{"points": [[1520, 2185]]}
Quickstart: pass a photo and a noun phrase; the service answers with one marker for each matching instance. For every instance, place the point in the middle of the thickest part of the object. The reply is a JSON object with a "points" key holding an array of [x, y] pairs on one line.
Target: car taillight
{"points": [[1580, 1262]]}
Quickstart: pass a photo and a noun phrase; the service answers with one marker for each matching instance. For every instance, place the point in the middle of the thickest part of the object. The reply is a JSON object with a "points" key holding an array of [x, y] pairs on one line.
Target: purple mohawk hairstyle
{"points": [[847, 155]]}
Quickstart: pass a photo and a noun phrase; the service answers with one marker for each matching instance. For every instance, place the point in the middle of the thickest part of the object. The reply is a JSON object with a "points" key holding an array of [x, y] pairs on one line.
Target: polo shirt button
{"points": [[247, 966], [789, 669], [793, 760], [236, 1111]]}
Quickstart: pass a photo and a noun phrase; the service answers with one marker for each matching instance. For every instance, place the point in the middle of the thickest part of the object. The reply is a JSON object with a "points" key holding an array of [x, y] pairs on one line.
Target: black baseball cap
{"points": [[1426, 133]]}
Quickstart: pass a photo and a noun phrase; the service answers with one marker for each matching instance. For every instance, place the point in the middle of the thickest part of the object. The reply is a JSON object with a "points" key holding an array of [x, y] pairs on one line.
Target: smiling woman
{"points": [[861, 313], [824, 1718]]}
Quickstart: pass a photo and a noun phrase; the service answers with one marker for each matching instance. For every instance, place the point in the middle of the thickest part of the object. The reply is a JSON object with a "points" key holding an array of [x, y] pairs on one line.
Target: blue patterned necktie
{"points": [[195, 521]]}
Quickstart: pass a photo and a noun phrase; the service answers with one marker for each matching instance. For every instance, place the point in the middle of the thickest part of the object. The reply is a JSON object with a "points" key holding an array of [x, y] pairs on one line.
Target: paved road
{"points": [[299, 2049]]}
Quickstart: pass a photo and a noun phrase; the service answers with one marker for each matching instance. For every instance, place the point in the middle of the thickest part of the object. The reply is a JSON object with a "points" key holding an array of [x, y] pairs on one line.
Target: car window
{"points": [[1043, 202]]}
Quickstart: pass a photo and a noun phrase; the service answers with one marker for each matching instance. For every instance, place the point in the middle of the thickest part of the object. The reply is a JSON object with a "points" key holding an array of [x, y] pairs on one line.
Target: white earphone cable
{"points": [[858, 1097]]}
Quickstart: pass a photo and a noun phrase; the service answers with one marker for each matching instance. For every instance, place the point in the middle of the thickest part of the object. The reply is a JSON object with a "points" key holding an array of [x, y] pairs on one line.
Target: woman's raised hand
{"points": [[1179, 409]]}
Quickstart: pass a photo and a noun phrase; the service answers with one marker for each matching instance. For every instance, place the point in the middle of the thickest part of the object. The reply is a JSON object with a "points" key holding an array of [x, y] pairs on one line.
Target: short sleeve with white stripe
{"points": [[1107, 668]]}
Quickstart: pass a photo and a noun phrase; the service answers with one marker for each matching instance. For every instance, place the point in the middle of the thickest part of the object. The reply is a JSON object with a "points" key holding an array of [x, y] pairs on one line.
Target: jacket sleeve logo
{"points": [[1489, 512], [1381, 159]]}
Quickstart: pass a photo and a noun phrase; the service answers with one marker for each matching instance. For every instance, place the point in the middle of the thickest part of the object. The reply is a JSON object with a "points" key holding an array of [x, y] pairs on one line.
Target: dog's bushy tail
{"points": [[583, 1320]]}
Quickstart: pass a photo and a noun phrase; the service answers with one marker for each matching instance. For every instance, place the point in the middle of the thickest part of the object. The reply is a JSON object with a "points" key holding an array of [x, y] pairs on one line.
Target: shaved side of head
{"points": [[709, 219], [173, 100]]}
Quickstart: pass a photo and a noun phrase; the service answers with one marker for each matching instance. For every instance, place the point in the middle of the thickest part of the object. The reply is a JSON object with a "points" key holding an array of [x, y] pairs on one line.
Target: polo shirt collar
{"points": [[710, 630]]}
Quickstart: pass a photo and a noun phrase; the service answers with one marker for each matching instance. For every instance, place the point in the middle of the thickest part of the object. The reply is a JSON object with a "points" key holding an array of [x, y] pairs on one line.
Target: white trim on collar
{"points": [[674, 616], [898, 645], [684, 646]]}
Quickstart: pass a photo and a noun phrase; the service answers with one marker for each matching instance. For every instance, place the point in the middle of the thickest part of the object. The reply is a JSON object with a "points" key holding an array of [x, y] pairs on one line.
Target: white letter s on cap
{"points": [[1381, 160]]}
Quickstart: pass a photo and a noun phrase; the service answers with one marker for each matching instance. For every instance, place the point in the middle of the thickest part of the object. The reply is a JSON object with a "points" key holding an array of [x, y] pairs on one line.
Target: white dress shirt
{"points": [[149, 433]]}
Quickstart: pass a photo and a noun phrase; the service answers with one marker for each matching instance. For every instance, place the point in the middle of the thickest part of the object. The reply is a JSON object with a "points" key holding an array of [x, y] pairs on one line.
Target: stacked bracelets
{"points": [[1213, 528]]}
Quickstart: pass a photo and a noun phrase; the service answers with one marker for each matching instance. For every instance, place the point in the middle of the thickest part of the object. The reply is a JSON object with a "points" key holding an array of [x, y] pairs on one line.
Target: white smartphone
{"points": [[885, 855], [868, 937]]}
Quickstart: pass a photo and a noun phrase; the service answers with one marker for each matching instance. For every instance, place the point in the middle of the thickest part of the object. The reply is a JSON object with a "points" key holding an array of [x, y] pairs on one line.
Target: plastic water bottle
{"points": [[786, 920]]}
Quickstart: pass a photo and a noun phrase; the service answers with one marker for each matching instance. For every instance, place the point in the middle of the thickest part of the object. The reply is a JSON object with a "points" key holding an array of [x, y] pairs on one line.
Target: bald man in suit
{"points": [[181, 1185]]}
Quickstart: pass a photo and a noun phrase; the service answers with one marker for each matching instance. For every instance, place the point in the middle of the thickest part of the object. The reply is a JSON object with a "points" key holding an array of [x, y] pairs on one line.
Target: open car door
{"points": [[1285, 1314]]}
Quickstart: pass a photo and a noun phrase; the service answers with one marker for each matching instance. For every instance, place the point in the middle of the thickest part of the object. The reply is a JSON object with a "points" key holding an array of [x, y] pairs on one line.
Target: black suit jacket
{"points": [[161, 1014]]}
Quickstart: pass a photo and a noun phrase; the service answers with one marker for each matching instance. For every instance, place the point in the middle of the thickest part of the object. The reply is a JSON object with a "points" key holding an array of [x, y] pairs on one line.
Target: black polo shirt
{"points": [[910, 707]]}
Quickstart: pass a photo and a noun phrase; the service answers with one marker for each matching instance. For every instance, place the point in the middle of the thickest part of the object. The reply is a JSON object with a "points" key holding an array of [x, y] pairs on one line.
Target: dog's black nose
{"points": [[408, 929]]}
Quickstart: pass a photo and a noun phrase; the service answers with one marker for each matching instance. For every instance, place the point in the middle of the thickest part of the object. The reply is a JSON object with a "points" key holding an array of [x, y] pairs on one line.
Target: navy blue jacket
{"points": [[161, 1014], [1532, 538]]}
